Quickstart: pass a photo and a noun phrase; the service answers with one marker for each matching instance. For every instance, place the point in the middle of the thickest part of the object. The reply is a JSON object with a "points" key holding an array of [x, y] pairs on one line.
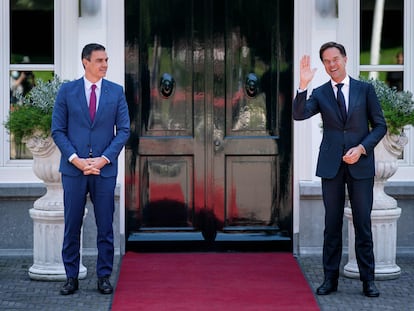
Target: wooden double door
{"points": [[209, 87]]}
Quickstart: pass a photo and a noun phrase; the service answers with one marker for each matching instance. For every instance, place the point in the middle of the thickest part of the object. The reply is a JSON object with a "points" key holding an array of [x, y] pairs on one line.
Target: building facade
{"points": [[209, 85]]}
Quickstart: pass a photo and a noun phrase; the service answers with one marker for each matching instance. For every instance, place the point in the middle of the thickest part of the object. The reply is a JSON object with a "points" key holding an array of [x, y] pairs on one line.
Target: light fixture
{"points": [[89, 7], [327, 8]]}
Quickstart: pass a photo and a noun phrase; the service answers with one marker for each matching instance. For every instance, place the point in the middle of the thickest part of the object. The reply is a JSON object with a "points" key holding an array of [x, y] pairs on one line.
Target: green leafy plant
{"points": [[398, 106], [34, 113]]}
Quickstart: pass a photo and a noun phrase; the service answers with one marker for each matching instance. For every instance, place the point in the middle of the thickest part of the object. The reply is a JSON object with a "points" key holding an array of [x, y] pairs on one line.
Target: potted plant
{"points": [[32, 116], [398, 106], [30, 123]]}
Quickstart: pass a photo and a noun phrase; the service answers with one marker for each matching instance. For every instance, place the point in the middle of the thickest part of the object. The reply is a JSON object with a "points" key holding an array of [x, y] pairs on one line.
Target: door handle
{"points": [[167, 85], [217, 145], [251, 85]]}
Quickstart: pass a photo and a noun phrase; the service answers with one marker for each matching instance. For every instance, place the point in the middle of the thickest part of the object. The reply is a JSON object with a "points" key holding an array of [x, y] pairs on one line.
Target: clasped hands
{"points": [[352, 156], [90, 166]]}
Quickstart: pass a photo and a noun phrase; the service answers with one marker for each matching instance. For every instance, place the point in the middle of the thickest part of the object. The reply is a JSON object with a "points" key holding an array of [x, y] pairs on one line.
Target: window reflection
{"points": [[25, 17], [249, 99], [395, 78], [19, 86], [389, 32], [26, 52], [21, 82], [250, 106]]}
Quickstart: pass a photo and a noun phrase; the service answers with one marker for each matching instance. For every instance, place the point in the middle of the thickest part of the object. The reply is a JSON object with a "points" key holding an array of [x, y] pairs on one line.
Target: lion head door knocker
{"points": [[167, 85], [251, 85]]}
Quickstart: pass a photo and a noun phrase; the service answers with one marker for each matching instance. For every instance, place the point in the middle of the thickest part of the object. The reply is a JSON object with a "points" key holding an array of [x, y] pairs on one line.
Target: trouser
{"points": [[101, 191], [360, 193]]}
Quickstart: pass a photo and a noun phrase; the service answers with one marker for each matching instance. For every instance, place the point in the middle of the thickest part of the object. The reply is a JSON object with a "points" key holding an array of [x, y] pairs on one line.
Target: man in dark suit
{"points": [[346, 157], [90, 143]]}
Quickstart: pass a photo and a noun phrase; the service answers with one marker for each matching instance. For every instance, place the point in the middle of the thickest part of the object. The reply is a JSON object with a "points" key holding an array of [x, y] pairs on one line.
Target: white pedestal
{"points": [[384, 234], [384, 215], [47, 214], [48, 229]]}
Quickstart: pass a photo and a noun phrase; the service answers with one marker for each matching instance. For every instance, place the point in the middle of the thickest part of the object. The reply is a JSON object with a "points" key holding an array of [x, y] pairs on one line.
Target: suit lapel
{"points": [[353, 95], [102, 99], [81, 96]]}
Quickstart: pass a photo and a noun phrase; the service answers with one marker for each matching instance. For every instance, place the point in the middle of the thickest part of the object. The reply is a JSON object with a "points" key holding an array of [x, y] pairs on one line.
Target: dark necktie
{"points": [[341, 101], [92, 102]]}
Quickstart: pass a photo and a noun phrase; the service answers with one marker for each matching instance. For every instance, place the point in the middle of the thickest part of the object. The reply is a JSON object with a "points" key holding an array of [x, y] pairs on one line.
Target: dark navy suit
{"points": [[364, 125], [75, 133]]}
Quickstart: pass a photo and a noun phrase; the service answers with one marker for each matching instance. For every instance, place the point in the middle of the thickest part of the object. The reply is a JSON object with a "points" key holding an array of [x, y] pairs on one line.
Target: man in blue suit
{"points": [[346, 158], [90, 143]]}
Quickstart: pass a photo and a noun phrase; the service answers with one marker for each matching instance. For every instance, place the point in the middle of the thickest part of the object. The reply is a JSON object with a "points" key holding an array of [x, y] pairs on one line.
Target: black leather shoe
{"points": [[70, 286], [328, 286], [369, 289], [104, 286]]}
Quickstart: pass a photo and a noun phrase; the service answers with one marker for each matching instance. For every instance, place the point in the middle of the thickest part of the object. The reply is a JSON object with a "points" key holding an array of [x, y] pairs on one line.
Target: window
{"points": [[382, 49], [31, 55], [381, 40]]}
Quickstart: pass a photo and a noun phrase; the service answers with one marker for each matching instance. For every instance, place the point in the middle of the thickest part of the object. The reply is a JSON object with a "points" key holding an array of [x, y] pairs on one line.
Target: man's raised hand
{"points": [[306, 73]]}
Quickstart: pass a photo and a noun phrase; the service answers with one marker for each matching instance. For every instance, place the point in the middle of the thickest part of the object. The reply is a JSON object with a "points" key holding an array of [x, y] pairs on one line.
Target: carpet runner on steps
{"points": [[211, 282]]}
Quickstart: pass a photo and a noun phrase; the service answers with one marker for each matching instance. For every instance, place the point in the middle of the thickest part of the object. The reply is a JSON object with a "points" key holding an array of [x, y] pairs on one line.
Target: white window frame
{"points": [[21, 67], [406, 165], [15, 170]]}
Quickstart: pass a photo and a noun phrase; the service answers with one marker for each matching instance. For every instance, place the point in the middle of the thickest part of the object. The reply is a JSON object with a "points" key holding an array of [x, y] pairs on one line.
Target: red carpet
{"points": [[212, 281]]}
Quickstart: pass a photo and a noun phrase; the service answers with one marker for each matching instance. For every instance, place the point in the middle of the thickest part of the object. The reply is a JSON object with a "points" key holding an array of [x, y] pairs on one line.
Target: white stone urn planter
{"points": [[384, 215], [47, 214]]}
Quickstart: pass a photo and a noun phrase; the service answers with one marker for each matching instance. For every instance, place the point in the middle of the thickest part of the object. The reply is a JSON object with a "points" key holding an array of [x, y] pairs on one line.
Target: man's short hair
{"points": [[89, 48], [329, 45]]}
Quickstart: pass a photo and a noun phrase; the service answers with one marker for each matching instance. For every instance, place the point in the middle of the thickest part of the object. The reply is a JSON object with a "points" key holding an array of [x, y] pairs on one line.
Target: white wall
{"points": [[311, 30], [313, 27], [106, 26], [72, 32]]}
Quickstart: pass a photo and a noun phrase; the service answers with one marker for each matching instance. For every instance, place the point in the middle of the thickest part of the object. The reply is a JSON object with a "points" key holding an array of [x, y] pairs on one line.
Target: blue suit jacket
{"points": [[74, 132], [365, 124]]}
